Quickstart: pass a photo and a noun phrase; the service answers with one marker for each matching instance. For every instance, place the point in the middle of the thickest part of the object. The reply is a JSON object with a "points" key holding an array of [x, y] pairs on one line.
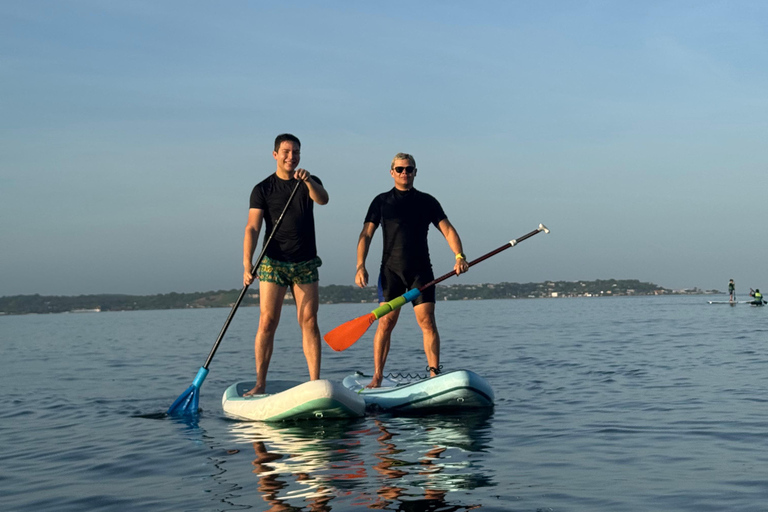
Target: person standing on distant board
{"points": [[731, 291], [405, 214], [291, 258]]}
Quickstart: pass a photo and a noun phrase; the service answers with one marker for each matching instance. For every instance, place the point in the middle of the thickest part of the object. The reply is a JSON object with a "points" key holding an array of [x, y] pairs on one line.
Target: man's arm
{"points": [[316, 191], [250, 241], [363, 244], [454, 242]]}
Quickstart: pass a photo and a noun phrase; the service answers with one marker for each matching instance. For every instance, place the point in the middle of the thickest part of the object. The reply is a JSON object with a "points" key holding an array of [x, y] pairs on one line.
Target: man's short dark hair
{"points": [[285, 137]]}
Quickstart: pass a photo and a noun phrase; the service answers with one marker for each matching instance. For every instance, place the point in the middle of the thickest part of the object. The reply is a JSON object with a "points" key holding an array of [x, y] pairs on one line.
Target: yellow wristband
{"points": [[461, 256]]}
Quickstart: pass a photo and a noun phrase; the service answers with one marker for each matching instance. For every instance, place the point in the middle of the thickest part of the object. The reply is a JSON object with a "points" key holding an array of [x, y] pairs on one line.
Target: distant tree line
{"points": [[22, 304], [599, 288], [28, 304]]}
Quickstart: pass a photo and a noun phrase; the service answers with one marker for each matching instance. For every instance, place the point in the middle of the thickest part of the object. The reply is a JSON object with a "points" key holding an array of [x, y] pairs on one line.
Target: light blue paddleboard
{"points": [[454, 390]]}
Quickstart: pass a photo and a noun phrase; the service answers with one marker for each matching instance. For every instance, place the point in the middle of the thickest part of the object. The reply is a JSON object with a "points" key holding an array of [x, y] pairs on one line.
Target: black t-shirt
{"points": [[405, 217], [294, 240]]}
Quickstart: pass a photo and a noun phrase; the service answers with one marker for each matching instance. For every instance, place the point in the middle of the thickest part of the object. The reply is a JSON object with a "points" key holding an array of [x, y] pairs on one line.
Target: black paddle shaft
{"points": [[483, 257], [253, 271]]}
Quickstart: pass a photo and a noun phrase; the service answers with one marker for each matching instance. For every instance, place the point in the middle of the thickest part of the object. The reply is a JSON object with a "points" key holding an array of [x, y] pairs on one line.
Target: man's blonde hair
{"points": [[403, 156]]}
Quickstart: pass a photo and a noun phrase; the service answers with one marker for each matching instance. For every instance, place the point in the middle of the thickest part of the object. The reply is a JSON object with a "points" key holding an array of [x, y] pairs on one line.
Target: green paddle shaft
{"points": [[396, 303]]}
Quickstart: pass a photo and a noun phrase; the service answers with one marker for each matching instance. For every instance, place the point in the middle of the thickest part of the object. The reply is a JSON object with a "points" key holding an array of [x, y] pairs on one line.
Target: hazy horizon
{"points": [[446, 283]]}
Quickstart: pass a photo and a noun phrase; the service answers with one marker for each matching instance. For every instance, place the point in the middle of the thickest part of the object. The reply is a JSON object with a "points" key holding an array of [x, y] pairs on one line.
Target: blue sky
{"points": [[131, 134]]}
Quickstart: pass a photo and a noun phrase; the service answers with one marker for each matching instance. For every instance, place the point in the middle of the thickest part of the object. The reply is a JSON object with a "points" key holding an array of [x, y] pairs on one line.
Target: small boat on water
{"points": [[310, 400], [456, 390]]}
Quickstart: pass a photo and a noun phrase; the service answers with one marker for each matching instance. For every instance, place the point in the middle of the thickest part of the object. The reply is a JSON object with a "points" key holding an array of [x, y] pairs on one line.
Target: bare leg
{"points": [[381, 346], [307, 299], [270, 304], [425, 316]]}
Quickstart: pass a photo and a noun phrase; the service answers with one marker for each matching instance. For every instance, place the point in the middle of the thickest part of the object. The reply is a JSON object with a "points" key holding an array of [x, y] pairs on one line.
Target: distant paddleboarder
{"points": [[757, 296], [731, 291]]}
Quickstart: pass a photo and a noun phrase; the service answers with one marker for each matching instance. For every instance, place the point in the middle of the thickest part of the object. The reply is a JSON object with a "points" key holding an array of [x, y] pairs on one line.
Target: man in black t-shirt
{"points": [[405, 214], [291, 258]]}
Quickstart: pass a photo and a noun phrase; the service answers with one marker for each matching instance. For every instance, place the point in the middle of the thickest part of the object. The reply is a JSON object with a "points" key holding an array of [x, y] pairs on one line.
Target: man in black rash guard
{"points": [[291, 258], [405, 214]]}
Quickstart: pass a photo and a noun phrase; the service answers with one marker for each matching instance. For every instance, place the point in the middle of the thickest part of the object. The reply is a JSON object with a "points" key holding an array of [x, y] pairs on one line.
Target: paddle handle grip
{"points": [[484, 257]]}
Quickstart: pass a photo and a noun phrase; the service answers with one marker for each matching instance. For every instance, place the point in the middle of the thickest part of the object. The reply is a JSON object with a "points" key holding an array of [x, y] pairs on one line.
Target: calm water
{"points": [[622, 404]]}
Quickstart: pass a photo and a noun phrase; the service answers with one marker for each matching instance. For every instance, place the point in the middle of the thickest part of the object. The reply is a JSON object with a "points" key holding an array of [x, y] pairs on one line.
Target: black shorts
{"points": [[393, 284]]}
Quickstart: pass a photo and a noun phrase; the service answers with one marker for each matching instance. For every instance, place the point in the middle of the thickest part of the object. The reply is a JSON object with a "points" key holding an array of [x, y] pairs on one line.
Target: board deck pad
{"points": [[273, 386]]}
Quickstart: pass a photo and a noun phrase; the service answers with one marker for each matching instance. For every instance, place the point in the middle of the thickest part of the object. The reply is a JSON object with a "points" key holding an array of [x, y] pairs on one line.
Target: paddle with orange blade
{"points": [[345, 335]]}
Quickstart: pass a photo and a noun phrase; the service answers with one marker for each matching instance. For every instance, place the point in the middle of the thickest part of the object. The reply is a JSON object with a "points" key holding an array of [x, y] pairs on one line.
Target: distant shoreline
{"points": [[331, 294]]}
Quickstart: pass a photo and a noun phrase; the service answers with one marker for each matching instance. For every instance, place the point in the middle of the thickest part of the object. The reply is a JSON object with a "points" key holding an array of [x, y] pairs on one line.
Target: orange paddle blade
{"points": [[345, 335]]}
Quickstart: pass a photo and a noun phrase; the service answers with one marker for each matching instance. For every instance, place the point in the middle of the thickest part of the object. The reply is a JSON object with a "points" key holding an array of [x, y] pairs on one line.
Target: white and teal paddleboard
{"points": [[310, 400], [415, 394], [730, 301]]}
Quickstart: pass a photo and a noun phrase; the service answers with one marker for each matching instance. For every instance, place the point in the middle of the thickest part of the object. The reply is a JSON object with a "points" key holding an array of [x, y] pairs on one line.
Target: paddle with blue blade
{"points": [[188, 401], [345, 335]]}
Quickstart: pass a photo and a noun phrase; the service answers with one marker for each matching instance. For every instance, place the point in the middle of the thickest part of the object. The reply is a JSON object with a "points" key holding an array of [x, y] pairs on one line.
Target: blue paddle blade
{"points": [[188, 402]]}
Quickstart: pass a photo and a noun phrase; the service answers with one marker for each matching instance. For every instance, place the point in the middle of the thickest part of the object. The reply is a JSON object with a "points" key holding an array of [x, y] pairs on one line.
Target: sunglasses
{"points": [[408, 170]]}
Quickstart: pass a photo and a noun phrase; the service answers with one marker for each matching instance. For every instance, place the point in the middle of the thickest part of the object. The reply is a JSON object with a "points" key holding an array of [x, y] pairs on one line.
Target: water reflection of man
{"points": [[392, 468], [270, 485]]}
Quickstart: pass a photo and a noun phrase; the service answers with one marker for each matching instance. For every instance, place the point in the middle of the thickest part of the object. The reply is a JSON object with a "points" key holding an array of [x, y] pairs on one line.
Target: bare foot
{"points": [[257, 390], [375, 382]]}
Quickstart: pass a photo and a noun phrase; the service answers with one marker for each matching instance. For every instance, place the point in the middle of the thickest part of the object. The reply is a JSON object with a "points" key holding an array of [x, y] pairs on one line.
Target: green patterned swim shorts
{"points": [[285, 274]]}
